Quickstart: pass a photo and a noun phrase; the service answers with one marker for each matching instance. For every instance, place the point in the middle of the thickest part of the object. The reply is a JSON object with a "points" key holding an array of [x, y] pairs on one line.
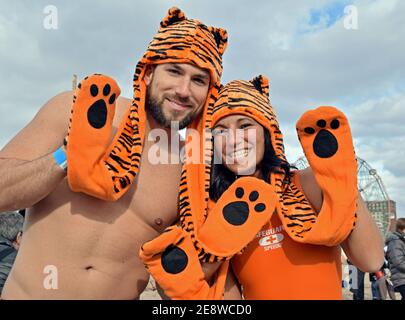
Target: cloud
{"points": [[304, 48]]}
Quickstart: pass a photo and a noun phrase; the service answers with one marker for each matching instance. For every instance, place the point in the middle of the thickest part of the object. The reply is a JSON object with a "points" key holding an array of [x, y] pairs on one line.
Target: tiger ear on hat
{"points": [[173, 15], [261, 83], [221, 38]]}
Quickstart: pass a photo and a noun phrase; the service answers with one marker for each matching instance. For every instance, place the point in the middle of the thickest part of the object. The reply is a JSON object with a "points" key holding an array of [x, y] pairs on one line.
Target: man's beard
{"points": [[155, 109]]}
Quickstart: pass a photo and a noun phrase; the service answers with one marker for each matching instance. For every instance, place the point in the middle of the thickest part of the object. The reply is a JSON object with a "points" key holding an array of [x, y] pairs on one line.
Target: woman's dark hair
{"points": [[222, 177]]}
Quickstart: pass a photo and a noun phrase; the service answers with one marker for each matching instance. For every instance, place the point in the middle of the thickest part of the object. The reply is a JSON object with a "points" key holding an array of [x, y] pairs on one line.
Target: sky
{"points": [[349, 54]]}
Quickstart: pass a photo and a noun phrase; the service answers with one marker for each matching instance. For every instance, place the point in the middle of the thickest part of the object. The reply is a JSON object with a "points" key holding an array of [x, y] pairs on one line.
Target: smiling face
{"points": [[239, 140], [176, 92]]}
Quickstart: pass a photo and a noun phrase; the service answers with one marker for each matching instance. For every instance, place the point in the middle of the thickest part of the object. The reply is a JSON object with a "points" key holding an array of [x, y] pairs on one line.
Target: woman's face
{"points": [[239, 144]]}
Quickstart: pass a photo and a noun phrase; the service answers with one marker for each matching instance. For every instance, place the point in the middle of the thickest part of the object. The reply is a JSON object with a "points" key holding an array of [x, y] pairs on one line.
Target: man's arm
{"points": [[28, 172], [364, 246]]}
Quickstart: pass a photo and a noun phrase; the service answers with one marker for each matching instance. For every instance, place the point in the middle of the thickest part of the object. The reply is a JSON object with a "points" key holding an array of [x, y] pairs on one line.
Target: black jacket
{"points": [[6, 263], [396, 257]]}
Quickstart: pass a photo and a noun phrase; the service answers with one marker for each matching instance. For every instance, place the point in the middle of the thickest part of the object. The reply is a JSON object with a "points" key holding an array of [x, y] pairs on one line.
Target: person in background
{"points": [[396, 256], [356, 282], [11, 225]]}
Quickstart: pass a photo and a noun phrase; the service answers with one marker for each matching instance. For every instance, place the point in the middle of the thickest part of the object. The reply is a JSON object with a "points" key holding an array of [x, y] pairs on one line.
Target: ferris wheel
{"points": [[372, 190]]}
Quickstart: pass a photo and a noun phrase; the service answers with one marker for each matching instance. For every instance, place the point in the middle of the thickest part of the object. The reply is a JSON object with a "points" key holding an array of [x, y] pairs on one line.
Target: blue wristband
{"points": [[60, 158]]}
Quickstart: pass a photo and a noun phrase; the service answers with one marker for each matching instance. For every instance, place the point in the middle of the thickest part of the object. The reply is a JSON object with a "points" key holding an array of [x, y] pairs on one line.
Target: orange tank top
{"points": [[274, 267]]}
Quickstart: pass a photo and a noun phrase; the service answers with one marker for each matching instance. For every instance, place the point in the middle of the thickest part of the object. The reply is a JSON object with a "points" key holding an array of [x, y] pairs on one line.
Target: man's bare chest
{"points": [[154, 196]]}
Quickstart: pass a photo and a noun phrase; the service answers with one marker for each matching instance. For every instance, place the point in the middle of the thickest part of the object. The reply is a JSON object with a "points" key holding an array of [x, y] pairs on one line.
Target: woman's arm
{"points": [[364, 245], [232, 287]]}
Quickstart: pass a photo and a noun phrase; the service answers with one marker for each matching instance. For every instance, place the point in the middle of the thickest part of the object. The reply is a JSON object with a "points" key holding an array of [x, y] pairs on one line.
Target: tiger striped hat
{"points": [[178, 40], [250, 98], [182, 40]]}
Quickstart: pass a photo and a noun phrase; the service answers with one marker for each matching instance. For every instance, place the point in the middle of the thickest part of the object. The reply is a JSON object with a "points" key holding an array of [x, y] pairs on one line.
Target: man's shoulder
{"points": [[62, 97], [58, 105], [123, 102]]}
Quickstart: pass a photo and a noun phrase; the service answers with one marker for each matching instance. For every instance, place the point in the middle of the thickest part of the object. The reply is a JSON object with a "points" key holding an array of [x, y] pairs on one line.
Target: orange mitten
{"points": [[90, 134], [173, 262], [326, 139], [239, 214]]}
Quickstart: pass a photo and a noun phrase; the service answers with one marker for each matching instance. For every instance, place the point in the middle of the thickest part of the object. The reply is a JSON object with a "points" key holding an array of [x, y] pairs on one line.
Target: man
{"points": [[79, 247], [11, 225]]}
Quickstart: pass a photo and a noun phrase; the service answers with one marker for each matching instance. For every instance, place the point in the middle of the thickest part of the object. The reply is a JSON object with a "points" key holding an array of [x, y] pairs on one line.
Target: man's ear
{"points": [[149, 74]]}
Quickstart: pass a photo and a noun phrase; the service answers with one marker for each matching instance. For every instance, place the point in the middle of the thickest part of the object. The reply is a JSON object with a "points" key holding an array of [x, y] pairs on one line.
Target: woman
{"points": [[292, 223], [396, 256], [282, 262]]}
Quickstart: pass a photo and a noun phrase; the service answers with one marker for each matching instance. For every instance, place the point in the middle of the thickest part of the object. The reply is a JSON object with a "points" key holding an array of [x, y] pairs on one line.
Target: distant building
{"points": [[380, 210]]}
